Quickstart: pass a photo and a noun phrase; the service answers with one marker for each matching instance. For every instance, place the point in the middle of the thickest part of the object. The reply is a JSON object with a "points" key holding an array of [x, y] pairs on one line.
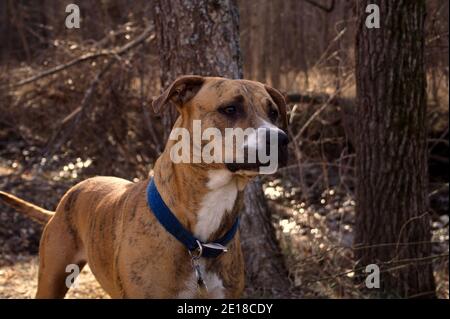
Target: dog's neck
{"points": [[205, 201]]}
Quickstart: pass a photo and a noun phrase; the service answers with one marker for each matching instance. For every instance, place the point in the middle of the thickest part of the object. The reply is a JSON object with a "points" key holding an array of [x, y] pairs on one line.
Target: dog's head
{"points": [[237, 124]]}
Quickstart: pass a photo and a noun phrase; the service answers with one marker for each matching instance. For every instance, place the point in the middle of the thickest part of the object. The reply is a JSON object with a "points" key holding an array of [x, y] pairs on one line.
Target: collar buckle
{"points": [[197, 252], [216, 246]]}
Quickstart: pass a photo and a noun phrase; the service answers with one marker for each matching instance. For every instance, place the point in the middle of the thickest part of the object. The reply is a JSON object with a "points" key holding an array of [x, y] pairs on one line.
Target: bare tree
{"points": [[202, 37], [393, 223]]}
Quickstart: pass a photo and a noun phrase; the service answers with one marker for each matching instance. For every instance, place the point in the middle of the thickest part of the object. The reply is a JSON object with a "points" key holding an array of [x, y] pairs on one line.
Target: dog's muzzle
{"points": [[274, 140]]}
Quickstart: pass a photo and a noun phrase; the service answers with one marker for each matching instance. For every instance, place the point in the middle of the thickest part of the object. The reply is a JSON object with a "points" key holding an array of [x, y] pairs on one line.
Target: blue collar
{"points": [[174, 227]]}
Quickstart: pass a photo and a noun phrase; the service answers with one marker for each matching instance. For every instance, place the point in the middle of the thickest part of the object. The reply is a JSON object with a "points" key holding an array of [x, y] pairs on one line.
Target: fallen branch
{"points": [[86, 57], [321, 6], [75, 116], [318, 99], [407, 262], [330, 100]]}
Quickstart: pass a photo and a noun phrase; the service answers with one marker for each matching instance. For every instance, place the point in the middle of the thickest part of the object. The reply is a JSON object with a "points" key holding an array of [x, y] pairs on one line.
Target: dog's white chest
{"points": [[216, 203]]}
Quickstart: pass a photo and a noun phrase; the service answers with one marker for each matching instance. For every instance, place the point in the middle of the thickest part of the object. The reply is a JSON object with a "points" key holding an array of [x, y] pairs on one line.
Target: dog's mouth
{"points": [[244, 167], [257, 168]]}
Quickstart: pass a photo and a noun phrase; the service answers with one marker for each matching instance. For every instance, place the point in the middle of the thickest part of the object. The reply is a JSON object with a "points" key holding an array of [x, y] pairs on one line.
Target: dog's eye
{"points": [[273, 115], [228, 110]]}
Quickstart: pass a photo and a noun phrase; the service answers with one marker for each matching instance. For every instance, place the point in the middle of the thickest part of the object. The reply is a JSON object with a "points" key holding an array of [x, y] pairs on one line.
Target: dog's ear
{"points": [[280, 101], [179, 92]]}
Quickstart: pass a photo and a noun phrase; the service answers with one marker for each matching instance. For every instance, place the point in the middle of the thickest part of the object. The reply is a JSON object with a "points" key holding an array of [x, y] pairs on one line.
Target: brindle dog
{"points": [[106, 221]]}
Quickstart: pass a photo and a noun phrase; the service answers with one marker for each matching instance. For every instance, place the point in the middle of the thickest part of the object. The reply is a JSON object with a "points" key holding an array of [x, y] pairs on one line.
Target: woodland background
{"points": [[91, 116]]}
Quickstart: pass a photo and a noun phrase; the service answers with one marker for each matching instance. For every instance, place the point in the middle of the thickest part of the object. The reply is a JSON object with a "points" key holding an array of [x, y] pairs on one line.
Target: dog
{"points": [[133, 252]]}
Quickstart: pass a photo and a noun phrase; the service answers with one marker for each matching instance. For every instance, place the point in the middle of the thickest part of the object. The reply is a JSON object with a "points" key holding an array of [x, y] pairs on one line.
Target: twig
{"points": [[407, 261], [401, 232], [441, 139], [298, 155], [145, 106], [79, 112], [323, 57], [75, 116], [86, 57], [337, 249], [318, 112], [309, 99], [321, 6]]}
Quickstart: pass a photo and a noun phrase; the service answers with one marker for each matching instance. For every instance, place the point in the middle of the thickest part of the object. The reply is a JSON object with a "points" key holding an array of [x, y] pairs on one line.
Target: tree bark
{"points": [[265, 270], [202, 37], [393, 222], [196, 37]]}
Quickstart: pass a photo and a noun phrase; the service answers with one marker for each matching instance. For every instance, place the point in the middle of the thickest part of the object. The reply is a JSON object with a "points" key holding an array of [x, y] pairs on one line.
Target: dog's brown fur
{"points": [[106, 221]]}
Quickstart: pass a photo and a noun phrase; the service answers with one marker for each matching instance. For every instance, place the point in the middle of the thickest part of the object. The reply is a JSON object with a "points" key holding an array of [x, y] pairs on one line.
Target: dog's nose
{"points": [[282, 138]]}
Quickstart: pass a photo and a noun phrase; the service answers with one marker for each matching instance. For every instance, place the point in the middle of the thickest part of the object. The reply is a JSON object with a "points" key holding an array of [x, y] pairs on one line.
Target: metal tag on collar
{"points": [[216, 246], [198, 273]]}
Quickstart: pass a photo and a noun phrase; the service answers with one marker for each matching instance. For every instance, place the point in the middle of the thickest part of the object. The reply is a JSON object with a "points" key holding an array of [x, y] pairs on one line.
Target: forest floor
{"points": [[19, 280], [316, 239]]}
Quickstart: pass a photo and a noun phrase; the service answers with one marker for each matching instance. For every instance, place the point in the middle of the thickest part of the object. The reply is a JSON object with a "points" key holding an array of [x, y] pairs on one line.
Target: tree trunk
{"points": [[266, 272], [197, 37], [393, 222], [202, 37]]}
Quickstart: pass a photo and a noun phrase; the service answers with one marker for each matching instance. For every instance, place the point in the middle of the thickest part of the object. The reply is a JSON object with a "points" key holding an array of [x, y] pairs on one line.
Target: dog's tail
{"points": [[37, 213]]}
